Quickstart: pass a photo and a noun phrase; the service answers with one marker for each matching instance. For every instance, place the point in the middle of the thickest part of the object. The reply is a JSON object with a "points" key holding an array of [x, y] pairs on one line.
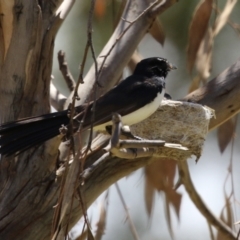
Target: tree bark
{"points": [[30, 186], [28, 182]]}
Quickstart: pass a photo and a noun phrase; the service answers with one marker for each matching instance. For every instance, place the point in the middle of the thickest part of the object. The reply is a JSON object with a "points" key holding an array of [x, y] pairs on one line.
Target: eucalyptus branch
{"points": [[124, 31], [197, 200]]}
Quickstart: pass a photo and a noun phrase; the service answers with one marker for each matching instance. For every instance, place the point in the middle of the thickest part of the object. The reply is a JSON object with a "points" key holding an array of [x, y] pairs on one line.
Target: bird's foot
{"points": [[126, 131]]}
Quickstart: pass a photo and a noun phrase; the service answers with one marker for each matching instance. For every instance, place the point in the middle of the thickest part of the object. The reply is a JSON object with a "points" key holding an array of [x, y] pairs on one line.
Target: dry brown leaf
{"points": [[168, 216], [194, 84], [174, 198], [149, 196], [89, 234], [136, 57], [83, 236], [204, 56], [225, 134], [197, 30], [157, 32], [223, 17], [101, 224], [160, 175]]}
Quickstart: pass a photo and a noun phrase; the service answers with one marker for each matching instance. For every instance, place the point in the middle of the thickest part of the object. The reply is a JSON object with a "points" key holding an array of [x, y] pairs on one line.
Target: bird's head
{"points": [[154, 66]]}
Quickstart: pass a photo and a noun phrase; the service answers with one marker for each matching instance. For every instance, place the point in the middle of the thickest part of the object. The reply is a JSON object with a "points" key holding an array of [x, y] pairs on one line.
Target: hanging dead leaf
{"points": [[83, 236], [174, 198], [101, 224], [204, 56], [168, 216], [157, 32], [194, 84], [223, 17], [161, 174], [197, 30], [136, 57], [149, 196], [89, 234], [225, 134]]}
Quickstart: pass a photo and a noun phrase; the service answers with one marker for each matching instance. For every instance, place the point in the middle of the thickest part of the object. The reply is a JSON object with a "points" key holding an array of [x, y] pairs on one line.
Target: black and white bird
{"points": [[135, 99]]}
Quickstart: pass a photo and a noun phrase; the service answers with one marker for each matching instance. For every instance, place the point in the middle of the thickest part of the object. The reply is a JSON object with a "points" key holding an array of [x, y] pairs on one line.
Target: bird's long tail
{"points": [[20, 135]]}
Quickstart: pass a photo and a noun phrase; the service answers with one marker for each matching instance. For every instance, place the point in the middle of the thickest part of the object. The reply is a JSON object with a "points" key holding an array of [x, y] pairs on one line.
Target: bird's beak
{"points": [[171, 67]]}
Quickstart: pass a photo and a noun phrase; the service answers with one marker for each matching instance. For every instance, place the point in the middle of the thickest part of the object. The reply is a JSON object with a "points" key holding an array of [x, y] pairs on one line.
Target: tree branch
{"points": [[63, 66], [221, 94], [103, 168], [123, 51], [57, 99], [201, 206]]}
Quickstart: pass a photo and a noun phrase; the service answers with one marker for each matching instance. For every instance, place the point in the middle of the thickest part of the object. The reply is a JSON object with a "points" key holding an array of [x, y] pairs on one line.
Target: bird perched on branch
{"points": [[135, 99]]}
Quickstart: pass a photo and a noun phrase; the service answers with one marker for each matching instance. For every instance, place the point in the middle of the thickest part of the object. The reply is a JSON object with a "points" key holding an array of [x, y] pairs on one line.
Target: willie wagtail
{"points": [[135, 99]]}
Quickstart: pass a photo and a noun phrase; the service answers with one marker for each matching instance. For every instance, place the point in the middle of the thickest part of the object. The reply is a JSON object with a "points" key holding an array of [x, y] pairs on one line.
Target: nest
{"points": [[184, 123]]}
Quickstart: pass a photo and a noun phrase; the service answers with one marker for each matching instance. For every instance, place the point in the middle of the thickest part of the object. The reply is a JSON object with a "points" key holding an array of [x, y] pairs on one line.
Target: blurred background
{"points": [[210, 174]]}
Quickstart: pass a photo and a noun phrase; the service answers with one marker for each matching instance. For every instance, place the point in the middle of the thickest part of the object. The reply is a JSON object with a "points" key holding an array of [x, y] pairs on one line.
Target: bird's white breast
{"points": [[138, 115]]}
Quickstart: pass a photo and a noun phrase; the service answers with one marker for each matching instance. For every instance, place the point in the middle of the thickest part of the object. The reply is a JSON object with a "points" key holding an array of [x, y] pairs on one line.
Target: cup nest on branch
{"points": [[177, 122]]}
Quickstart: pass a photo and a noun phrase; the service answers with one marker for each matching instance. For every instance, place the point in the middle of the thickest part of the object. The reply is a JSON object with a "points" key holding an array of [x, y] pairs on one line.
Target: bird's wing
{"points": [[130, 95]]}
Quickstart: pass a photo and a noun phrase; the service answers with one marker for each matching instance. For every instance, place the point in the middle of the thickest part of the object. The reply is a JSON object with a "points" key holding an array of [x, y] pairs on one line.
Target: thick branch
{"points": [[57, 100], [102, 170], [221, 94]]}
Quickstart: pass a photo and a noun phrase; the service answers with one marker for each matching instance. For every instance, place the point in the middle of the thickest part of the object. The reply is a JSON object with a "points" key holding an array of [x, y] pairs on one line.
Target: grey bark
{"points": [[29, 185], [28, 182]]}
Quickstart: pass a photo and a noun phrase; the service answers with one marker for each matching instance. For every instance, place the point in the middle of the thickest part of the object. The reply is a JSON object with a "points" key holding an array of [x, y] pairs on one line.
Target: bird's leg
{"points": [[125, 134]]}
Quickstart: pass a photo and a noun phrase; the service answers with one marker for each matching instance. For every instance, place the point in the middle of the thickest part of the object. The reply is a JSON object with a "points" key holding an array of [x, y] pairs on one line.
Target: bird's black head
{"points": [[155, 66]]}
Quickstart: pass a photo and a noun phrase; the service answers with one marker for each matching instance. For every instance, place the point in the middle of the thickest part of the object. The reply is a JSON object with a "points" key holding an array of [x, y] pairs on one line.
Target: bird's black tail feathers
{"points": [[20, 135]]}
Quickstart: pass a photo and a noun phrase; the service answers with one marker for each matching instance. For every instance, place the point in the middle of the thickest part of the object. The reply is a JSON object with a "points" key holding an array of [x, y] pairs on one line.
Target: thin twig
{"points": [[230, 170], [162, 6], [96, 71], [197, 200], [63, 66], [75, 184], [77, 156], [87, 172], [75, 96], [132, 227], [57, 212]]}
